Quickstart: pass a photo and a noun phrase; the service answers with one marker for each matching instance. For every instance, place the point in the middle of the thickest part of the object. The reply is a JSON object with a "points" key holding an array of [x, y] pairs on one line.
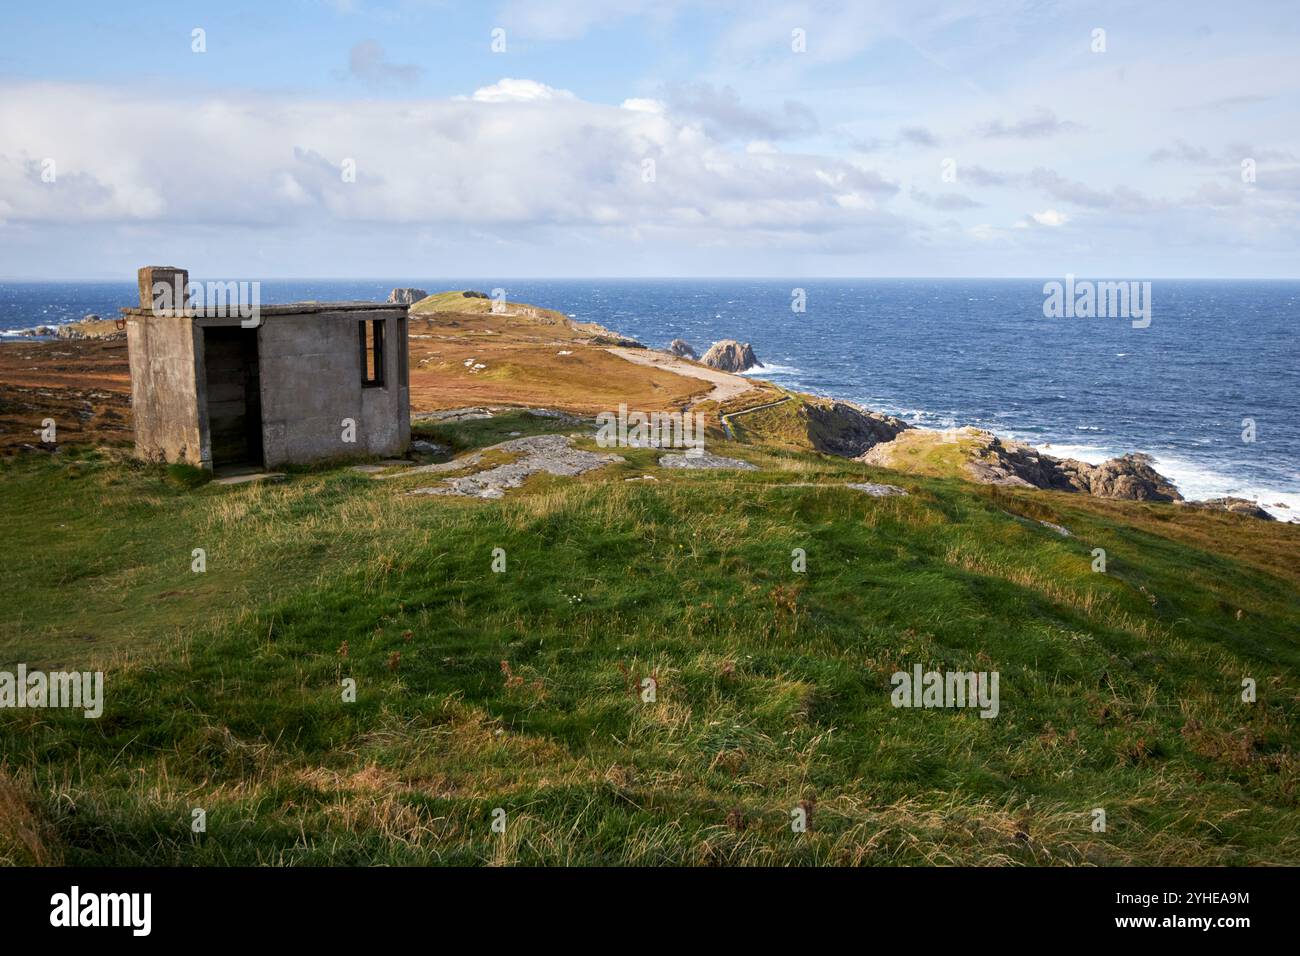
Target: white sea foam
{"points": [[1194, 482], [28, 333], [1092, 454]]}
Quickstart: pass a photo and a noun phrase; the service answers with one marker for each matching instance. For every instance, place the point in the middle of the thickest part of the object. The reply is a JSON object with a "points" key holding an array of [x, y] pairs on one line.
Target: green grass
{"points": [[521, 690]]}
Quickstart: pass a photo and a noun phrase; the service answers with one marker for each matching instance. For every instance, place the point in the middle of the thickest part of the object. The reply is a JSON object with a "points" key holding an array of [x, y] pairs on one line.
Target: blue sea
{"points": [[944, 352]]}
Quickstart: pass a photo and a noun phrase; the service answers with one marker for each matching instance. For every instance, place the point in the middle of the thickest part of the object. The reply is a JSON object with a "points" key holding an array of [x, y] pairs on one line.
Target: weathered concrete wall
{"points": [[164, 391], [311, 384]]}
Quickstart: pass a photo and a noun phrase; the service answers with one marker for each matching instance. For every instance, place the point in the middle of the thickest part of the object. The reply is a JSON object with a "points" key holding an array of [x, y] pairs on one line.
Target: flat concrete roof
{"points": [[291, 308]]}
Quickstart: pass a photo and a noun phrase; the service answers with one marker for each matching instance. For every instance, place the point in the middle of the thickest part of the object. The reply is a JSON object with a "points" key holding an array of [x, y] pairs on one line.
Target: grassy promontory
{"points": [[522, 690]]}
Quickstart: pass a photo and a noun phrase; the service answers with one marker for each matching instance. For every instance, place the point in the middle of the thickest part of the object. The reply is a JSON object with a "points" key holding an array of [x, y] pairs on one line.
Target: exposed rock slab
{"points": [[552, 454], [682, 349], [244, 479], [705, 461], [876, 490], [455, 415], [407, 296], [438, 468], [431, 449]]}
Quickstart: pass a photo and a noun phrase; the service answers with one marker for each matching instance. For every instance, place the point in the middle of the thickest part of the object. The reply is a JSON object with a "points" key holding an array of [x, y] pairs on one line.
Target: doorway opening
{"points": [[230, 362]]}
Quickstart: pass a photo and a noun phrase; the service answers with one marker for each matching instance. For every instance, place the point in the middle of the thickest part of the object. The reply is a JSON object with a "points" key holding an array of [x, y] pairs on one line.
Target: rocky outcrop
{"points": [[848, 430], [731, 356], [407, 296], [1130, 477], [473, 294], [1238, 506], [1001, 462], [91, 327], [988, 459], [682, 349]]}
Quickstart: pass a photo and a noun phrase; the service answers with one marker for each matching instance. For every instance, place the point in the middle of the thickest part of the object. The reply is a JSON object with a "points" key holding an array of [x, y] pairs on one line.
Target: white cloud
{"points": [[507, 90], [515, 154], [1049, 217], [638, 105]]}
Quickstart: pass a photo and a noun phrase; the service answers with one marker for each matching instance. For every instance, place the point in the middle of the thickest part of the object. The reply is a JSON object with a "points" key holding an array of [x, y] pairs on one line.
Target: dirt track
{"points": [[725, 385]]}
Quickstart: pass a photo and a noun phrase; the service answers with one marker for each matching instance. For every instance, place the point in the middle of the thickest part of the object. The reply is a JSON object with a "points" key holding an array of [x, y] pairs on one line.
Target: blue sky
{"points": [[632, 138]]}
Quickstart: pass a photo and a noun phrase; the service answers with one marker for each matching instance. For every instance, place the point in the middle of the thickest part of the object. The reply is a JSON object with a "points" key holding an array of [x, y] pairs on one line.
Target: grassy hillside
{"points": [[458, 301], [522, 690]]}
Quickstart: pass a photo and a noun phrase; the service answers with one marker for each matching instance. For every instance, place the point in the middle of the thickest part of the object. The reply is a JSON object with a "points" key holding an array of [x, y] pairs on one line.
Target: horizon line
{"points": [[679, 278]]}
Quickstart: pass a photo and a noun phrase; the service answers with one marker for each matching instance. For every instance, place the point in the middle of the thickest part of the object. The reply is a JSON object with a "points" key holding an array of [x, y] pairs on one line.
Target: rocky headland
{"points": [[984, 457], [406, 296], [731, 356], [90, 327]]}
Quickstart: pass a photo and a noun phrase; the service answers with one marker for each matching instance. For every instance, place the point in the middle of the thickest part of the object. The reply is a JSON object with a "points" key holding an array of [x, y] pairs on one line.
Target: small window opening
{"points": [[403, 353], [372, 353]]}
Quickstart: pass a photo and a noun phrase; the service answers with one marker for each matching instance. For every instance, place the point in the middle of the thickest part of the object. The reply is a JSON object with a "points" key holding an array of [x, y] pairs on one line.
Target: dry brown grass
{"points": [[521, 350], [25, 837]]}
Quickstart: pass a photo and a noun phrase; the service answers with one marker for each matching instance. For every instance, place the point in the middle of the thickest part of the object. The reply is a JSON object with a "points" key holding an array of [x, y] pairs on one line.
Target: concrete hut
{"points": [[224, 387]]}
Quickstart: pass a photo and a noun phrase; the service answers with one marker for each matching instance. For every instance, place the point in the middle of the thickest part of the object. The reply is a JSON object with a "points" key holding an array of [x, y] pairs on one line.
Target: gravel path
{"points": [[725, 384]]}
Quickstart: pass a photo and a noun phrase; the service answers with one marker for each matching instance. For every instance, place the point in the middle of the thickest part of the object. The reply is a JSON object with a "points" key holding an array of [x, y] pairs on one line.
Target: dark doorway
{"points": [[234, 396]]}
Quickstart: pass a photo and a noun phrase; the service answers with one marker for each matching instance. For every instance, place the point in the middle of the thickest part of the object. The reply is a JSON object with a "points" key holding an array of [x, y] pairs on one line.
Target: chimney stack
{"points": [[163, 289]]}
